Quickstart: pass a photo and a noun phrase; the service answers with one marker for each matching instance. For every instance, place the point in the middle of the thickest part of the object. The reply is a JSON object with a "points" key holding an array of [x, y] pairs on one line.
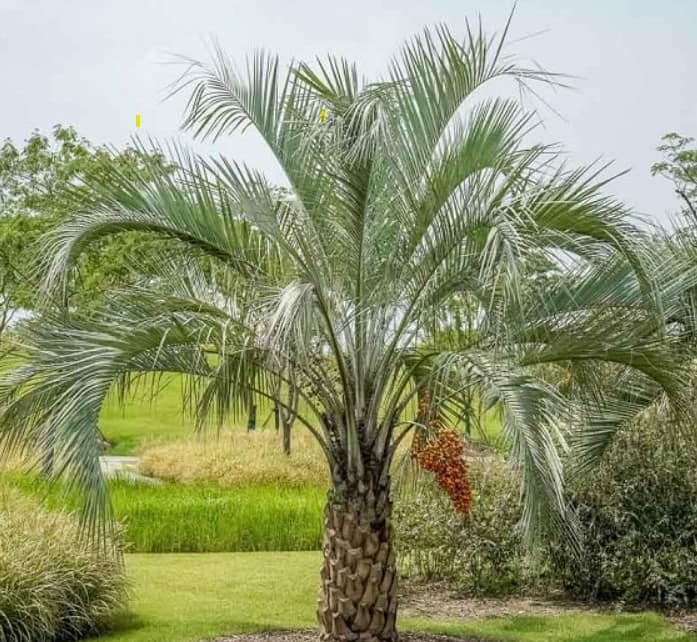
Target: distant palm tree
{"points": [[402, 199]]}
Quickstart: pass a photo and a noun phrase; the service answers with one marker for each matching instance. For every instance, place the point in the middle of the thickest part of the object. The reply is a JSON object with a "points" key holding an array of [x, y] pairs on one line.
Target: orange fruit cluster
{"points": [[444, 456]]}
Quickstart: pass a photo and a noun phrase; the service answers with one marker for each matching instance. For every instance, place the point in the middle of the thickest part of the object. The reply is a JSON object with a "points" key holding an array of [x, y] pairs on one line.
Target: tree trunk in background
{"points": [[288, 416], [286, 412], [468, 414], [252, 419], [286, 437], [358, 598]]}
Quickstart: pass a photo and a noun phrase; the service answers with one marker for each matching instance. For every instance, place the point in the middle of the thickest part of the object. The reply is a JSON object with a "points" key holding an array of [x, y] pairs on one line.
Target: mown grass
{"points": [[181, 518], [142, 419], [148, 418], [186, 598], [628, 627], [154, 412]]}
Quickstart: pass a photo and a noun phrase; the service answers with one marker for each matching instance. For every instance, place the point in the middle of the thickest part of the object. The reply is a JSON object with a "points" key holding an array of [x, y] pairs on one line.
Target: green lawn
{"points": [[187, 597], [144, 420], [641, 627], [158, 419], [161, 419]]}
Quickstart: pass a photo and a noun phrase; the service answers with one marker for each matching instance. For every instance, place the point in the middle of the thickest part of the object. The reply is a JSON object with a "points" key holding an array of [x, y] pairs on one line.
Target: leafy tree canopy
{"points": [[43, 182], [679, 166]]}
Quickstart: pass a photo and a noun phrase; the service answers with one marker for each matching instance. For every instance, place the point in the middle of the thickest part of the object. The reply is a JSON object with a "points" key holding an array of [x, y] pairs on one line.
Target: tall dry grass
{"points": [[237, 458], [18, 463]]}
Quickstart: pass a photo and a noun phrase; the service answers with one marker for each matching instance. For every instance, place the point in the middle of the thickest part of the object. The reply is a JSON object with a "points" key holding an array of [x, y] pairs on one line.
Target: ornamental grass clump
{"points": [[54, 584]]}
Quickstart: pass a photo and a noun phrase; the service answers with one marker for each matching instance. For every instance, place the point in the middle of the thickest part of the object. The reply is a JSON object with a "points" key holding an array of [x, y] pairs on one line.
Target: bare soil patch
{"points": [[438, 602]]}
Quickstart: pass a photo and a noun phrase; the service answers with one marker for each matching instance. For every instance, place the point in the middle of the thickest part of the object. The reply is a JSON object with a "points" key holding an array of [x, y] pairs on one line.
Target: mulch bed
{"points": [[312, 636], [686, 620], [437, 602]]}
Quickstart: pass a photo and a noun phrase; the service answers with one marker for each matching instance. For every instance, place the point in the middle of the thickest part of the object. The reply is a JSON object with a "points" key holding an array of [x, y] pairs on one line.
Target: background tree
{"points": [[41, 184], [677, 243], [403, 196], [17, 235], [680, 167]]}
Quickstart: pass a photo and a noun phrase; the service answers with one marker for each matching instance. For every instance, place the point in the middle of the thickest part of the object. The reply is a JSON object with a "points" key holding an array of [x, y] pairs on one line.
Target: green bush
{"points": [[54, 585], [480, 554], [639, 515]]}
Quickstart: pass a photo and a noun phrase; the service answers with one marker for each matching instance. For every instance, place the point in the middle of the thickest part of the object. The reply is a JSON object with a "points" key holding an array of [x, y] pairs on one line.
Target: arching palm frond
{"points": [[405, 199]]}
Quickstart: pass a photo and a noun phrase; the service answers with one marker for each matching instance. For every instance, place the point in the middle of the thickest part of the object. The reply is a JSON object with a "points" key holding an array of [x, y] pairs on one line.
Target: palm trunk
{"points": [[358, 598]]}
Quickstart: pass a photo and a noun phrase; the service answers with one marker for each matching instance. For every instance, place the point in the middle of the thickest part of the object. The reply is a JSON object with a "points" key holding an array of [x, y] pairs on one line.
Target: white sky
{"points": [[94, 65]]}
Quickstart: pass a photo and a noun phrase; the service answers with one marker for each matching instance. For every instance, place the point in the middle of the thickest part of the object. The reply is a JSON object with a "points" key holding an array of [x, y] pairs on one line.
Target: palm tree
{"points": [[402, 198]]}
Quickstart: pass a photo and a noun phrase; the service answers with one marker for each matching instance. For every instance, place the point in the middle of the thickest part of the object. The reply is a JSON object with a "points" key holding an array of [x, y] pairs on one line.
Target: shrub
{"points": [[480, 553], [639, 515], [54, 585], [238, 458]]}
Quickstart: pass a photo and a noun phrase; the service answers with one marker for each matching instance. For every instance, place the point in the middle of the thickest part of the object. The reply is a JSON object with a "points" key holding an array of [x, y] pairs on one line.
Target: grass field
{"points": [[238, 457], [182, 518], [160, 419], [186, 598], [144, 420]]}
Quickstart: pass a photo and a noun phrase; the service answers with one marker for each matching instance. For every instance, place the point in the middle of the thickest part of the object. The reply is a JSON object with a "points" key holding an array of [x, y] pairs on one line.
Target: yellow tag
{"points": [[322, 114], [137, 120]]}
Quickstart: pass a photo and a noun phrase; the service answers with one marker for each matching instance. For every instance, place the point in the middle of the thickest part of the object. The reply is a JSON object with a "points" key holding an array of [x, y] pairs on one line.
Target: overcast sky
{"points": [[94, 65]]}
